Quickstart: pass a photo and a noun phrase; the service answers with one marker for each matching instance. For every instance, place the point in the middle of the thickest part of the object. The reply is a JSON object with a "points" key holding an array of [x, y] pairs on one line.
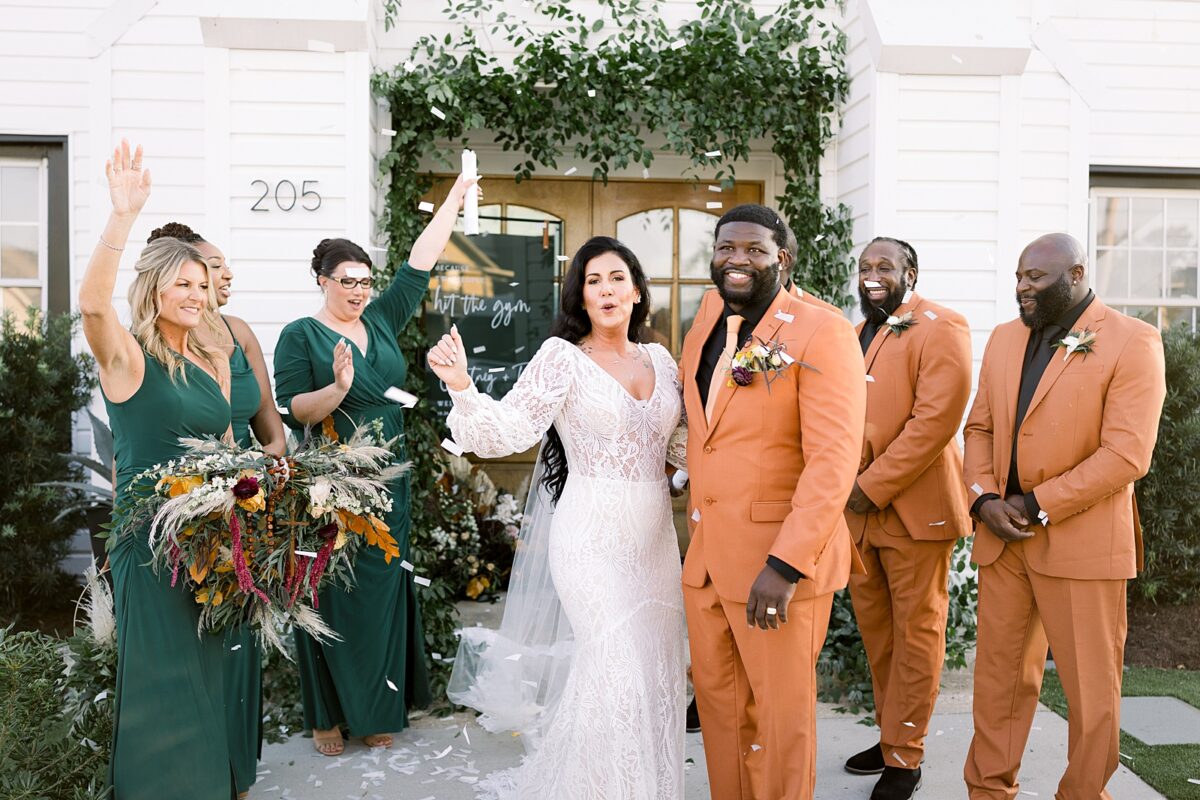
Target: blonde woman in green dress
{"points": [[159, 383], [339, 364]]}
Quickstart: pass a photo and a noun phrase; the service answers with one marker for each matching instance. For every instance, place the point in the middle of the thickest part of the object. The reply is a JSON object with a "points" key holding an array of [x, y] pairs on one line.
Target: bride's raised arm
{"points": [[493, 428]]}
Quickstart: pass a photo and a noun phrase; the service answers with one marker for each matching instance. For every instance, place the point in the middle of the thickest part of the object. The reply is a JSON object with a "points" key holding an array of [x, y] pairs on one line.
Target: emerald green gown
{"points": [[169, 736], [350, 682], [243, 665]]}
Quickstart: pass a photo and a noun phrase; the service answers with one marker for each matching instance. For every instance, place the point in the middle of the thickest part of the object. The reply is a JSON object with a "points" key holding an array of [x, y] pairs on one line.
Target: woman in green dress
{"points": [[340, 363], [159, 384], [251, 408]]}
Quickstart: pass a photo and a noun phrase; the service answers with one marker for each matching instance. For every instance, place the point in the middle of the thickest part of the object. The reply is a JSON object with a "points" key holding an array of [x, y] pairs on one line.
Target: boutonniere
{"points": [[1077, 342], [770, 358], [899, 325]]}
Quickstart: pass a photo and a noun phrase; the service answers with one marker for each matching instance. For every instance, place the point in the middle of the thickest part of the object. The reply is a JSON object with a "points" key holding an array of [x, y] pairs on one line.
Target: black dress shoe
{"points": [[868, 762], [897, 784], [693, 718]]}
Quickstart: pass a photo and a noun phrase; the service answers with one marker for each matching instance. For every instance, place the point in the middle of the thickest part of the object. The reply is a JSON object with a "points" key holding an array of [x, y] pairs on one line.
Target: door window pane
{"points": [[689, 305], [486, 226], [19, 251], [1145, 273], [17, 299], [1147, 221], [659, 321], [1112, 221], [1183, 219], [19, 194], [651, 237], [1144, 313], [1112, 273], [696, 230]]}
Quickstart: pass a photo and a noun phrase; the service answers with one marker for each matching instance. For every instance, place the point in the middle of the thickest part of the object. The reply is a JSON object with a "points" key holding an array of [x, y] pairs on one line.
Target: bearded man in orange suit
{"points": [[908, 505], [1064, 421], [772, 454]]}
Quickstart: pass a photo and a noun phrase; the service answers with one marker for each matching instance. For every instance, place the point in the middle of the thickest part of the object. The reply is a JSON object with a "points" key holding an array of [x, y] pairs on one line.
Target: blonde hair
{"points": [[158, 268]]}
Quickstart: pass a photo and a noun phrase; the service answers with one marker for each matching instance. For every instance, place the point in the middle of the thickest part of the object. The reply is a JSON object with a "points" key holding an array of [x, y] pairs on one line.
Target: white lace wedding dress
{"points": [[617, 732]]}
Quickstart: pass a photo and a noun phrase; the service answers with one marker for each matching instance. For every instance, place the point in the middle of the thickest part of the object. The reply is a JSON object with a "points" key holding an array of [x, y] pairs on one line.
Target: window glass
{"points": [[651, 237]]}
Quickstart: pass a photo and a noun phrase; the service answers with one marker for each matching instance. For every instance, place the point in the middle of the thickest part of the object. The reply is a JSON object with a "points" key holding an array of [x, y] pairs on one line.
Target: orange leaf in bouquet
{"points": [[374, 530], [327, 429], [199, 568]]}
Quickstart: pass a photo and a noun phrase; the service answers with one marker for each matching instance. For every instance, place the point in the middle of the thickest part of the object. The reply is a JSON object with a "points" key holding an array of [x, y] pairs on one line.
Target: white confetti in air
{"points": [[930, 314], [479, 349], [755, 747], [494, 370], [818, 237], [571, 171], [907, 296], [786, 358], [645, 172], [696, 515], [870, 379], [400, 396], [425, 206], [898, 758], [437, 112], [976, 488], [409, 66], [786, 317], [530, 683], [387, 132], [420, 581], [519, 349], [513, 657], [713, 154], [282, 410], [939, 733], [713, 204], [1031, 794], [514, 283], [1123, 755], [407, 565], [358, 272], [908, 724], [712, 187], [451, 447], [957, 59], [104, 693], [591, 92], [391, 686], [933, 525], [436, 656], [319, 46], [678, 44], [873, 284], [308, 553], [1194, 780], [562, 258]]}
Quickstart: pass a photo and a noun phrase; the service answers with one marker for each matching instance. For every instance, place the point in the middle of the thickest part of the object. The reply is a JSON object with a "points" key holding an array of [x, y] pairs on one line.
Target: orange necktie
{"points": [[733, 324]]}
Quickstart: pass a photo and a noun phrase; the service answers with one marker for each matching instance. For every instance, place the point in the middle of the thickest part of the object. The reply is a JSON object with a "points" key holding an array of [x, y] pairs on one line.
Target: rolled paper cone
{"points": [[470, 169]]}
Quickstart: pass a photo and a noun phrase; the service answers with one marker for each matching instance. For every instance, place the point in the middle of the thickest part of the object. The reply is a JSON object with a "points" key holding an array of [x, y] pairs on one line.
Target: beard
{"points": [[764, 284], [1052, 303], [879, 313]]}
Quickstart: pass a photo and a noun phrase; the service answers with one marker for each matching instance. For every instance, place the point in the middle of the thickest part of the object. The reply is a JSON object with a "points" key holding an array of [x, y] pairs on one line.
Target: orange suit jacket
{"points": [[771, 473], [1088, 435], [810, 298], [918, 385]]}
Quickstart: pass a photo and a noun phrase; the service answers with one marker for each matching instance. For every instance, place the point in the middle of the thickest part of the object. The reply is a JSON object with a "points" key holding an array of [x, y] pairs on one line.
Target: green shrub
{"points": [[1169, 496], [41, 385]]}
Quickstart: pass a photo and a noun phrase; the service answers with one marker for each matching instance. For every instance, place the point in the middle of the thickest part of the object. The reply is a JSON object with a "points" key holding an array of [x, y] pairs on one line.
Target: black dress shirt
{"points": [[1038, 352], [870, 328], [710, 358]]}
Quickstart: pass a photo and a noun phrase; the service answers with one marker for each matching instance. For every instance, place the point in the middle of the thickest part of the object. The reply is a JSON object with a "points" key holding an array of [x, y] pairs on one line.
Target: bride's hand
{"points": [[448, 360], [458, 192], [128, 183]]}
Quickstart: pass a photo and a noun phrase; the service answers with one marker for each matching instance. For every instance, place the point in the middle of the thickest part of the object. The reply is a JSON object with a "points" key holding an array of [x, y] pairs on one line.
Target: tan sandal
{"points": [[329, 743], [378, 740]]}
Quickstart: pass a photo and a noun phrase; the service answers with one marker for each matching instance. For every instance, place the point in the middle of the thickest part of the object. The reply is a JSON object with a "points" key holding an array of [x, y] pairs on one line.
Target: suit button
{"points": [[708, 448], [708, 501]]}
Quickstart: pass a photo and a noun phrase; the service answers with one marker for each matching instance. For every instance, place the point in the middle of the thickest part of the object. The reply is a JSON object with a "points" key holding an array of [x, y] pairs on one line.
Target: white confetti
{"points": [[282, 410], [786, 358], [712, 187], [818, 237], [713, 204], [436, 656], [896, 756], [696, 515], [519, 349], [957, 59], [1123, 755], [1031, 794], [479, 349], [513, 657], [571, 171], [562, 258], [932, 525], [387, 132], [496, 369], [786, 317], [1194, 780], [449, 446], [437, 112], [421, 581], [591, 92], [908, 724], [907, 296], [530, 683], [426, 207], [318, 46], [409, 66], [678, 44], [235, 647], [514, 283], [358, 272], [104, 693], [930, 314], [939, 733], [308, 553], [873, 284], [407, 565], [466, 735], [713, 154], [442, 754], [400, 396], [976, 488], [645, 173], [870, 379], [755, 747], [391, 686]]}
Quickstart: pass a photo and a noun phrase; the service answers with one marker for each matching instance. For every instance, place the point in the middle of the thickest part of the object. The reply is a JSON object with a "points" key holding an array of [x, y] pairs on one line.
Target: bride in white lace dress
{"points": [[597, 691]]}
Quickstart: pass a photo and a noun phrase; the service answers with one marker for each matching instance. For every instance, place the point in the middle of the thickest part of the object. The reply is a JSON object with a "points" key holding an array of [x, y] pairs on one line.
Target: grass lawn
{"points": [[1165, 767]]}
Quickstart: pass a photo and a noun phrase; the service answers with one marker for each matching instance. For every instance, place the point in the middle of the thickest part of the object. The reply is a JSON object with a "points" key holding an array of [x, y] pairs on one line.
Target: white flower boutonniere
{"points": [[899, 325], [1077, 342]]}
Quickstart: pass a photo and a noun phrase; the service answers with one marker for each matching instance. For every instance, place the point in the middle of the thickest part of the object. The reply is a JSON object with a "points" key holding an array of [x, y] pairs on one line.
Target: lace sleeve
{"points": [[677, 442], [493, 428]]}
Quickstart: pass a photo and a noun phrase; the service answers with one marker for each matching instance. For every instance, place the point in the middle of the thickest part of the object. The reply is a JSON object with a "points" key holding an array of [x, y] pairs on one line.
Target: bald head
{"points": [[1051, 278]]}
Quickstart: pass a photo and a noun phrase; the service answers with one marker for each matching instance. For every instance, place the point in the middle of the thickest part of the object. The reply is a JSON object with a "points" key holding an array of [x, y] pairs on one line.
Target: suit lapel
{"points": [[1091, 319], [1014, 361], [693, 351], [884, 333], [766, 329]]}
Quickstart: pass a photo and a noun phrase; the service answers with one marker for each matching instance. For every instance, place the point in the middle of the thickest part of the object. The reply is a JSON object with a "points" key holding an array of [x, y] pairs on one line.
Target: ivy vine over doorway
{"points": [[594, 90]]}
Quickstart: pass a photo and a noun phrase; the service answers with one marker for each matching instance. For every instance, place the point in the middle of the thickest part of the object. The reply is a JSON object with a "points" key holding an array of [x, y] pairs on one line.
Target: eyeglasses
{"points": [[349, 283]]}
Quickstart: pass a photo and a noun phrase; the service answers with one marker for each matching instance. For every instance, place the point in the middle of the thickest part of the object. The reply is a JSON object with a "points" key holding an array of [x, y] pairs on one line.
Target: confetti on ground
{"points": [[425, 206], [479, 349], [571, 171], [318, 46], [407, 565], [466, 735], [1031, 794], [1125, 756], [930, 314], [437, 112], [712, 187], [387, 132], [450, 447], [1194, 780], [939, 733], [390, 685], [713, 154], [870, 379], [442, 754], [400, 396], [713, 204], [786, 317], [420, 581]]}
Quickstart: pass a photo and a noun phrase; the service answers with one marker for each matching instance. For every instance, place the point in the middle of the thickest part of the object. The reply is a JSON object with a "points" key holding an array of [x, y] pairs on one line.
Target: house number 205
{"points": [[287, 196]]}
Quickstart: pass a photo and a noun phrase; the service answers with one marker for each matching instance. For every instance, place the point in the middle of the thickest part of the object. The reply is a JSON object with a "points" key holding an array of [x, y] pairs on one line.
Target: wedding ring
{"points": [[772, 611]]}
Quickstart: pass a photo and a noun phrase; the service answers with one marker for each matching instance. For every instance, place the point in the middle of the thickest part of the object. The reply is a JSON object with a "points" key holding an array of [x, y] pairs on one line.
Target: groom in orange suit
{"points": [[772, 454], [1064, 421]]}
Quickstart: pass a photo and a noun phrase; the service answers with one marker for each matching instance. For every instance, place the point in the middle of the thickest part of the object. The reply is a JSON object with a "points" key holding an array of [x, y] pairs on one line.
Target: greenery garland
{"points": [[593, 90]]}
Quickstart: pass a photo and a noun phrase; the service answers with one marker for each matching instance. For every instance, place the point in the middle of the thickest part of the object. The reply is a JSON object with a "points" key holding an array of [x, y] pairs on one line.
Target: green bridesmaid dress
{"points": [[243, 656], [367, 681], [169, 736]]}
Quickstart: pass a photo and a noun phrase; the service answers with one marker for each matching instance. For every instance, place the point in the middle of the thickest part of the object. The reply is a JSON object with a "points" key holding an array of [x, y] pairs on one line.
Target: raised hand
{"points": [[458, 192], [448, 360], [343, 366], [128, 183]]}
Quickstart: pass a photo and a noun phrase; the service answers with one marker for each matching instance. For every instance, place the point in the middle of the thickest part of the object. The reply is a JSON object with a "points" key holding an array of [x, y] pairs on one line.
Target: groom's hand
{"points": [[770, 590]]}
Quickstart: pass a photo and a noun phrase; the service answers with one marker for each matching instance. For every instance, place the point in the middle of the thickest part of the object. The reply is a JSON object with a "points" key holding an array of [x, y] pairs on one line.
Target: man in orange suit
{"points": [[1064, 421], [908, 505], [772, 454]]}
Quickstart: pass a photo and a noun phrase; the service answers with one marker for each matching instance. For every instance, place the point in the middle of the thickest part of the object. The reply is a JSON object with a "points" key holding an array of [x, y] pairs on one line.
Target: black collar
{"points": [[1071, 316], [751, 315]]}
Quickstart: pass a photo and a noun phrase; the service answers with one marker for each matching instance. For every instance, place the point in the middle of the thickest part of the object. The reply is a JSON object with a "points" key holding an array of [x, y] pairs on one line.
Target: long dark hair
{"points": [[573, 323]]}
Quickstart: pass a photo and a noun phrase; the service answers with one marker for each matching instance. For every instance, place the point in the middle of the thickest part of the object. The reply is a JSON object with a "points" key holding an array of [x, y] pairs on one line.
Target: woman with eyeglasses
{"points": [[340, 364]]}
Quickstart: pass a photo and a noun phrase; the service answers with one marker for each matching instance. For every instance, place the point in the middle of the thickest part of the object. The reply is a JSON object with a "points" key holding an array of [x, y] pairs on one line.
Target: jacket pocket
{"points": [[770, 510]]}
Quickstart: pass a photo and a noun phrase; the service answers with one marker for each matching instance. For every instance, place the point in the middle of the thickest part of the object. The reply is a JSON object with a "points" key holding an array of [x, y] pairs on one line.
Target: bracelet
{"points": [[110, 247]]}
